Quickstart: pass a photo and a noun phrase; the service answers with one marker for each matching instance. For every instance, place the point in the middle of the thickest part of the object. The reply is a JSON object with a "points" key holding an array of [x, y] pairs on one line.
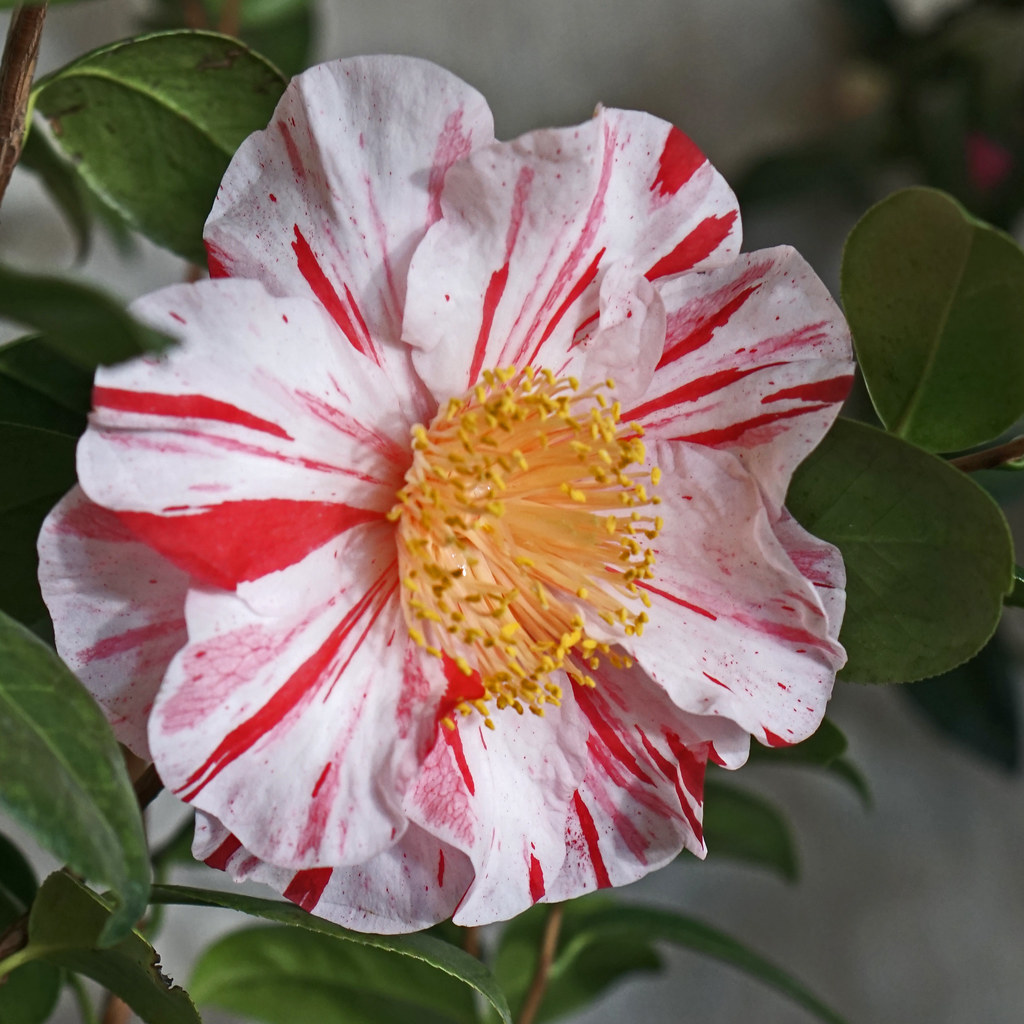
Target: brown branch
{"points": [[115, 1010], [230, 22], [193, 14], [17, 67], [990, 458], [545, 958], [471, 941]]}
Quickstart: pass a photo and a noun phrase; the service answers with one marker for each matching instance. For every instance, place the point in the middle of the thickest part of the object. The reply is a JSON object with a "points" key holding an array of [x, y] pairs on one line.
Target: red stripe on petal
{"points": [[697, 337], [321, 779], [835, 389], [460, 687], [297, 691], [679, 601], [294, 157], [536, 879], [680, 160], [217, 261], [237, 541], [310, 269], [452, 144], [227, 849], [440, 869], [693, 390], [308, 886], [454, 738], [671, 771], [577, 290], [733, 432], [774, 740], [187, 407], [691, 767], [717, 682], [130, 639], [590, 837], [700, 243], [609, 736], [492, 296]]}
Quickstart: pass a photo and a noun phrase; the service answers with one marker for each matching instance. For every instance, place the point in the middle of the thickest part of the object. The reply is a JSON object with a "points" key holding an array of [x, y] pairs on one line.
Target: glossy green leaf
{"points": [[1016, 595], [151, 124], [575, 982], [84, 325], [68, 926], [280, 975], [62, 776], [447, 958], [825, 749], [976, 705], [935, 301], [928, 553], [744, 826], [40, 388], [627, 925], [63, 184], [39, 466], [821, 748]]}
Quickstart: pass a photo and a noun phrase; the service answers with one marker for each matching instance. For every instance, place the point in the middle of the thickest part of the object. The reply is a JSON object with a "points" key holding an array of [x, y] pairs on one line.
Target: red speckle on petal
{"points": [[272, 197]]}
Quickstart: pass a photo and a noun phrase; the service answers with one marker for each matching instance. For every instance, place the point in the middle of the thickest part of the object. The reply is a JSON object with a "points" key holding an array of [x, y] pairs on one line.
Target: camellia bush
{"points": [[468, 505]]}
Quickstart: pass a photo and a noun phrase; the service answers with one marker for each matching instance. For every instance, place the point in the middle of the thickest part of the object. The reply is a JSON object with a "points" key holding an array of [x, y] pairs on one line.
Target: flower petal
{"points": [[511, 275], [757, 362], [117, 609], [500, 796], [736, 629], [258, 424], [332, 198], [302, 731], [640, 802], [411, 885]]}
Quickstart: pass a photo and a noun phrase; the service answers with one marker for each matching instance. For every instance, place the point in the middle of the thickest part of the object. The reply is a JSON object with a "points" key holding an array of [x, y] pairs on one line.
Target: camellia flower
{"points": [[448, 545]]}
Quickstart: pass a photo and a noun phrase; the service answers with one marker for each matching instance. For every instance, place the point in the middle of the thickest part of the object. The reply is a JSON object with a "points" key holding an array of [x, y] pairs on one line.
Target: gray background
{"points": [[912, 911]]}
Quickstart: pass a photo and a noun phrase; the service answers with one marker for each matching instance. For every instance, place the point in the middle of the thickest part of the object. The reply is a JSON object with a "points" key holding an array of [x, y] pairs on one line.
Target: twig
{"points": [[545, 958], [471, 941], [16, 70], [990, 458], [193, 14], [230, 22], [116, 1010]]}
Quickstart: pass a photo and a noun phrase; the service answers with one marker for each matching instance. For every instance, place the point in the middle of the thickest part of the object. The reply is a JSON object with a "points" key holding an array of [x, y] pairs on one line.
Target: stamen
{"points": [[523, 506]]}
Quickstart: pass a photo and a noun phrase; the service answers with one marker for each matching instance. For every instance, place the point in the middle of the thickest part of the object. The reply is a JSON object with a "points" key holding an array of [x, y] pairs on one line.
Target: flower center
{"points": [[526, 504]]}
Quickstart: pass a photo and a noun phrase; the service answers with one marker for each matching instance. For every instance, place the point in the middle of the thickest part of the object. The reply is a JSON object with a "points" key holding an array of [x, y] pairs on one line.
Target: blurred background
{"points": [[909, 909]]}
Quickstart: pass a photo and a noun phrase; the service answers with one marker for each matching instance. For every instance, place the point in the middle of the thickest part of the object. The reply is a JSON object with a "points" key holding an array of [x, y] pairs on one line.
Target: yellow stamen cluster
{"points": [[519, 512]]}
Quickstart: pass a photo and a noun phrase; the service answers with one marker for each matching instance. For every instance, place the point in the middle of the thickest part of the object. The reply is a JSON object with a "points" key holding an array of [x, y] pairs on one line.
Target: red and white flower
{"points": [[448, 545]]}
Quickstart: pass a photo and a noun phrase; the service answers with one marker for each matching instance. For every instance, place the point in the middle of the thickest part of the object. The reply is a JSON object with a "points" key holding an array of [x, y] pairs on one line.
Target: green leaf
{"points": [[824, 749], [280, 975], [1016, 595], [84, 325], [575, 982], [744, 826], [935, 301], [820, 749], [62, 183], [40, 388], [62, 776], [629, 925], [39, 467], [976, 704], [151, 124], [928, 553], [67, 927], [17, 879], [29, 994], [427, 948]]}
